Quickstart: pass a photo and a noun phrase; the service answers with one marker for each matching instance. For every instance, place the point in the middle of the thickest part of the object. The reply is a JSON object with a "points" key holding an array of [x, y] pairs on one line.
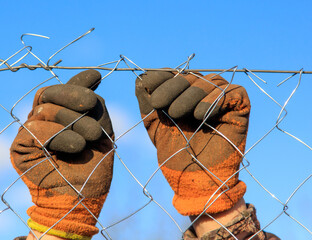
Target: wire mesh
{"points": [[124, 64]]}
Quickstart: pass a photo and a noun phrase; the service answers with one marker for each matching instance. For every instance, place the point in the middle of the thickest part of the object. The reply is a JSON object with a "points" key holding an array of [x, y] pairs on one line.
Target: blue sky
{"points": [[223, 34]]}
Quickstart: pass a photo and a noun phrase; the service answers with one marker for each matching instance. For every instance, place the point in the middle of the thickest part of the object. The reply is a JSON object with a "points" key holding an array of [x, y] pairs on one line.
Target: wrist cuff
{"points": [[40, 228]]}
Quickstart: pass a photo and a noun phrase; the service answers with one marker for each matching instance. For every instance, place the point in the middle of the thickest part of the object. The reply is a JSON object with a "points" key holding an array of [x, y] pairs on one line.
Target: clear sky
{"points": [[251, 34]]}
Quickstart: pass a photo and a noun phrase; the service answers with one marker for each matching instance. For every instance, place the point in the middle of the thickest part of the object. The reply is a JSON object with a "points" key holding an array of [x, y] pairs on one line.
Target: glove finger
{"points": [[66, 141], [153, 79], [186, 102], [209, 82], [91, 79], [86, 126], [164, 95], [100, 114], [146, 84], [77, 98], [168, 91], [234, 98], [88, 79]]}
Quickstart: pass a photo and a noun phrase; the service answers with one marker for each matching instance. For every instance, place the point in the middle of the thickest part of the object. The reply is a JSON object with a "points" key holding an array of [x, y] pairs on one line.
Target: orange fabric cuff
{"points": [[188, 206], [79, 221], [193, 190]]}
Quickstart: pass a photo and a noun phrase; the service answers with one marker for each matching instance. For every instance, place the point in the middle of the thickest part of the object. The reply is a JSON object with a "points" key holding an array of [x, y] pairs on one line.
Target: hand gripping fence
{"points": [[130, 66]]}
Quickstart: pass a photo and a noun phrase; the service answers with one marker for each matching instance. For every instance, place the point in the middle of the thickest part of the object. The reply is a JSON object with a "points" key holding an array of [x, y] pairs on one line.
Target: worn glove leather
{"points": [[75, 153], [186, 99]]}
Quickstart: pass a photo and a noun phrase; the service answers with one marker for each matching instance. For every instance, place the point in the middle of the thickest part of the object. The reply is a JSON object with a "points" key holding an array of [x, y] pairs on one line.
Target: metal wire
{"points": [[54, 66], [182, 68]]}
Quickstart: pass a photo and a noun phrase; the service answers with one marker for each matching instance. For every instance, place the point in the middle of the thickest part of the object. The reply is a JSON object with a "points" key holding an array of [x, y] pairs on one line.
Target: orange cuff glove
{"points": [[186, 98], [77, 151]]}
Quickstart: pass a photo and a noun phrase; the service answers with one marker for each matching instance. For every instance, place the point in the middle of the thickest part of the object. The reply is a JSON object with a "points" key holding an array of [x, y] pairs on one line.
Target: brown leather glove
{"points": [[186, 98], [74, 152]]}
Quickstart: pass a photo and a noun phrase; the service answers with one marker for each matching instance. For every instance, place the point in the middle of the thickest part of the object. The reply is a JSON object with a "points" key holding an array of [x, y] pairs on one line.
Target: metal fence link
{"points": [[123, 63]]}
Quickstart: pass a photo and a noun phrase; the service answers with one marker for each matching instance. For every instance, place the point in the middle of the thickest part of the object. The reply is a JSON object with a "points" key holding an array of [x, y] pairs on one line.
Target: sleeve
{"points": [[246, 222]]}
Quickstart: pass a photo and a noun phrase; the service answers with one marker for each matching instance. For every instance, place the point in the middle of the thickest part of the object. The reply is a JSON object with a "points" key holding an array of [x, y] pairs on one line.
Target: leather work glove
{"points": [[76, 151], [186, 98]]}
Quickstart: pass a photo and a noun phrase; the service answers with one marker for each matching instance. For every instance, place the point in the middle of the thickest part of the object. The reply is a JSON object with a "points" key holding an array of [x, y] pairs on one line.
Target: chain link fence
{"points": [[138, 177]]}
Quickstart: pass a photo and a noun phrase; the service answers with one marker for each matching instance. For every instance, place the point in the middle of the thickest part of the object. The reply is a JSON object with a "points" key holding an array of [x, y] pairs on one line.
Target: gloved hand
{"points": [[186, 99], [75, 152]]}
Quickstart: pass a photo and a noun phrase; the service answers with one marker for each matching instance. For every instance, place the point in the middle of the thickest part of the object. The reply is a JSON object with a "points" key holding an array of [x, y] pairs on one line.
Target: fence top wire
{"points": [[48, 67]]}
